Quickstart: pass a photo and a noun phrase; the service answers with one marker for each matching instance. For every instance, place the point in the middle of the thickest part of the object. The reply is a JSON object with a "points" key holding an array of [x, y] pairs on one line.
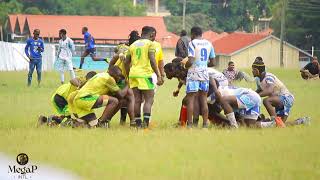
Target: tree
{"points": [[302, 23], [6, 8]]}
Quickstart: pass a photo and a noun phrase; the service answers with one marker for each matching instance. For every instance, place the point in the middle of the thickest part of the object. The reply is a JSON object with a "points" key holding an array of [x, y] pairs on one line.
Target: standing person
{"points": [[182, 45], [141, 56], [90, 48], [232, 74], [311, 70], [279, 100], [64, 61], [200, 56], [36, 47]]}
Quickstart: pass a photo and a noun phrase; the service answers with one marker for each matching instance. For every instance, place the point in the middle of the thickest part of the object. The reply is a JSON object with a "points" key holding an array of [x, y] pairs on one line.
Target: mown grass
{"points": [[163, 152]]}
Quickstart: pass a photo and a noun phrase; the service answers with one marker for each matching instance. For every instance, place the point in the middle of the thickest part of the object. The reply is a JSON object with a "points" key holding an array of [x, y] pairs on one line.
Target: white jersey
{"points": [[202, 50], [222, 80], [66, 47], [271, 80]]}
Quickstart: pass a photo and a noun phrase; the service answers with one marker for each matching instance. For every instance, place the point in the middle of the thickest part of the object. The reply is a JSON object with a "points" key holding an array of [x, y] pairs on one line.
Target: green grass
{"points": [[164, 152]]}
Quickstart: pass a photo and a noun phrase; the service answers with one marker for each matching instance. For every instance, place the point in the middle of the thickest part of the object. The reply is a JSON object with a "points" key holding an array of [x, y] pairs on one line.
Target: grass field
{"points": [[163, 152]]}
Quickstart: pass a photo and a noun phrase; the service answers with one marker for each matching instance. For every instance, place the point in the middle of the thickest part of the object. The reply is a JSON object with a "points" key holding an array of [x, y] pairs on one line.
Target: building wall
{"points": [[269, 50], [222, 62]]}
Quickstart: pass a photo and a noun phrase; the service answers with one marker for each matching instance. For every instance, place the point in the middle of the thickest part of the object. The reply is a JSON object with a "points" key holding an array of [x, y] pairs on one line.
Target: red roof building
{"points": [[105, 29]]}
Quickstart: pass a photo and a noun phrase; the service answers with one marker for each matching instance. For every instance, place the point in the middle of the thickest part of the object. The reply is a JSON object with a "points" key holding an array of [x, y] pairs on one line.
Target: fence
{"points": [[13, 58]]}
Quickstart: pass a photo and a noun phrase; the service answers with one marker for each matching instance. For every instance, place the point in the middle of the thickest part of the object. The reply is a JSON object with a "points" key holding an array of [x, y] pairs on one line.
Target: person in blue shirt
{"points": [[89, 48], [34, 50]]}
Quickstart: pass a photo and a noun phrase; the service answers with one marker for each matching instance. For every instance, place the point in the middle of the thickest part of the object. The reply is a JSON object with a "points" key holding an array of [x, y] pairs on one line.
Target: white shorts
{"points": [[63, 64]]}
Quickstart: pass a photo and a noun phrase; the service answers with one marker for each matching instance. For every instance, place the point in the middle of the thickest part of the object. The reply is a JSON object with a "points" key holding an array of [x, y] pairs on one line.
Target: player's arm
{"points": [[161, 63], [267, 91], [114, 59], [151, 55], [72, 46], [191, 56], [127, 62], [176, 92], [41, 47], [121, 93], [26, 49], [76, 82], [212, 56], [214, 86]]}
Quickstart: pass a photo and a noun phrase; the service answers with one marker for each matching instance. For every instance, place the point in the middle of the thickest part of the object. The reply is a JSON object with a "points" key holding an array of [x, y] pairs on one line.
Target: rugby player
{"points": [[89, 47], [60, 100], [279, 100], [118, 60], [95, 94], [200, 52], [141, 57]]}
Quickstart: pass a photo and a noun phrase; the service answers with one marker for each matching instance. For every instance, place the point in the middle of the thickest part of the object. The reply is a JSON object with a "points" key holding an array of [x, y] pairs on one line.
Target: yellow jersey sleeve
{"points": [[158, 52], [111, 85]]}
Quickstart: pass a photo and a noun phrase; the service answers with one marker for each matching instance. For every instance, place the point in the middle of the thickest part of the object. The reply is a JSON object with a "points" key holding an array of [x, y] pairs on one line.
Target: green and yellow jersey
{"points": [[140, 62], [158, 53]]}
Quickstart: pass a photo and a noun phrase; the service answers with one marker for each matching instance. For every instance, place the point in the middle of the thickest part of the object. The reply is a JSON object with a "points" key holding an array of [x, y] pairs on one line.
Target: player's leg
{"points": [[61, 66], [148, 102], [93, 55], [270, 103], [204, 108], [31, 69], [111, 104], [39, 70], [228, 103], [84, 54], [183, 113], [190, 108], [130, 106], [196, 110], [69, 66], [137, 106]]}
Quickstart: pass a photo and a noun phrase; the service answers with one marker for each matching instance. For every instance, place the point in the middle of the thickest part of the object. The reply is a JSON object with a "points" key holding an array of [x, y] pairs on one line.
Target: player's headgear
{"points": [[259, 65]]}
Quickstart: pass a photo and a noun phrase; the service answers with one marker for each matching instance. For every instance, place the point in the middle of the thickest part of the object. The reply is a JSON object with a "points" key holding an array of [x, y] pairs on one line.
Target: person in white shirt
{"points": [[65, 50]]}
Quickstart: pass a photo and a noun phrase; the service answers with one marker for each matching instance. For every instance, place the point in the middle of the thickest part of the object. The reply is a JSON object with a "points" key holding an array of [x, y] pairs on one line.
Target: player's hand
{"points": [[122, 56], [175, 93], [160, 80]]}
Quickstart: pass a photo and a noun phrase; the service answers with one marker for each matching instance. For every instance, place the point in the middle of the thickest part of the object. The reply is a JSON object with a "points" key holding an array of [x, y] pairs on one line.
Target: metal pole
{"points": [[312, 51], [1, 33], [184, 14], [283, 19]]}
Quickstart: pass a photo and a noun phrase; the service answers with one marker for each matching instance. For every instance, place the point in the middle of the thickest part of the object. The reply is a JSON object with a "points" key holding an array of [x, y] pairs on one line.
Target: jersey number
{"points": [[138, 52], [204, 54]]}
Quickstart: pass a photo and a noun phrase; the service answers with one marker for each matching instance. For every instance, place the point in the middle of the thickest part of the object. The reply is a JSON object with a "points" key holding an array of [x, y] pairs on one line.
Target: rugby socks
{"points": [[195, 121], [138, 121], [123, 114], [146, 119], [231, 117], [183, 115], [267, 124]]}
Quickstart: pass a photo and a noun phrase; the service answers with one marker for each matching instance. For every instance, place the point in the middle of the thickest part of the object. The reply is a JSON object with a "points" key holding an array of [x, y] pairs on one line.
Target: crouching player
{"points": [[60, 101], [279, 100], [244, 101], [95, 94]]}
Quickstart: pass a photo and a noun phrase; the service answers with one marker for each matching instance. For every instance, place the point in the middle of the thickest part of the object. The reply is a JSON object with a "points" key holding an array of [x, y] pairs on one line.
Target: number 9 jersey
{"points": [[140, 62], [202, 50]]}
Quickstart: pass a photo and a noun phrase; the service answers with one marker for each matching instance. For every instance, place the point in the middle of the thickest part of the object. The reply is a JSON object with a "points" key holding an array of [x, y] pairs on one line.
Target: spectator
{"points": [[311, 70], [182, 45], [233, 74], [65, 50], [33, 50]]}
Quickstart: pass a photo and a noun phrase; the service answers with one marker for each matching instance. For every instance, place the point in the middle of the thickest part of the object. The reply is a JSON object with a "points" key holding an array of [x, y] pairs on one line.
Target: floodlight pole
{"points": [[283, 26], [184, 14]]}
